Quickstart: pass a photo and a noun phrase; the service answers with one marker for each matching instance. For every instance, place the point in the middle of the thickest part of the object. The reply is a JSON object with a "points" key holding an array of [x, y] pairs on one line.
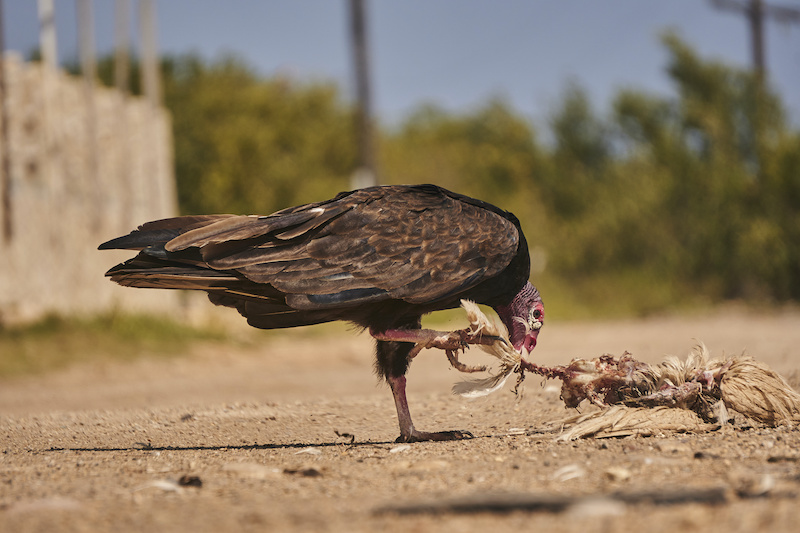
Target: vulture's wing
{"points": [[419, 244]]}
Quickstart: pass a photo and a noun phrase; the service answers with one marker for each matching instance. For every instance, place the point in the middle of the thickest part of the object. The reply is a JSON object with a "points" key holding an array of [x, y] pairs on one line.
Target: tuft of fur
{"points": [[753, 389]]}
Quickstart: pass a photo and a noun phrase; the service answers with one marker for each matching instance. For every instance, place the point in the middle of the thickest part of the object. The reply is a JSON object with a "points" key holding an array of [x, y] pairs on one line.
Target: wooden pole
{"points": [[757, 12], [150, 74], [89, 72], [756, 16], [122, 45], [366, 173], [47, 34], [122, 54], [5, 155]]}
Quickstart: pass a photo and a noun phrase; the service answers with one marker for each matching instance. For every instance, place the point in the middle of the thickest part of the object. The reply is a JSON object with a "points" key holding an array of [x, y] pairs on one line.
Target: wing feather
{"points": [[420, 244], [447, 246]]}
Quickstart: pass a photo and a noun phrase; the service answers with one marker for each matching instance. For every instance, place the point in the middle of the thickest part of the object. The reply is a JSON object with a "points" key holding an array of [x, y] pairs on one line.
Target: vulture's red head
{"points": [[524, 318]]}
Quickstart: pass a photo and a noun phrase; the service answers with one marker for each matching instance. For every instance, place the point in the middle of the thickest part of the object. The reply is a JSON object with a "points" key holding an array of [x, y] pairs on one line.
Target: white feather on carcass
{"points": [[502, 350]]}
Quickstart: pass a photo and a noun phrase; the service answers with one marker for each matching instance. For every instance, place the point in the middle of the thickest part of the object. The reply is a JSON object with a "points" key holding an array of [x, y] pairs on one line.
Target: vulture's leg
{"points": [[392, 364], [429, 338], [407, 431]]}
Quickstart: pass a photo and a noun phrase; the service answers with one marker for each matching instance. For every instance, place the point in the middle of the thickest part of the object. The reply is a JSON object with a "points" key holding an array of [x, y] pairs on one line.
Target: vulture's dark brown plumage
{"points": [[379, 257]]}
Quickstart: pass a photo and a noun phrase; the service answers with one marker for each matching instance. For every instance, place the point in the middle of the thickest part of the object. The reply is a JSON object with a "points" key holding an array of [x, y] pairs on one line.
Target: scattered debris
{"points": [[748, 485], [252, 470], [40, 505], [190, 481], [597, 507], [400, 448], [345, 436], [310, 451], [556, 503], [617, 473], [303, 472], [167, 485], [674, 447], [568, 472], [432, 465], [783, 458]]}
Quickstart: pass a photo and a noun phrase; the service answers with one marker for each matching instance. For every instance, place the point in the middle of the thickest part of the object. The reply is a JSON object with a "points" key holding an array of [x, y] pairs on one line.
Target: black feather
{"points": [[396, 250]]}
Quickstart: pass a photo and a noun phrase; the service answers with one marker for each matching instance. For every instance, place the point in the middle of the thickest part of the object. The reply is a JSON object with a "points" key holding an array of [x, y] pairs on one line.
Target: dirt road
{"points": [[228, 439]]}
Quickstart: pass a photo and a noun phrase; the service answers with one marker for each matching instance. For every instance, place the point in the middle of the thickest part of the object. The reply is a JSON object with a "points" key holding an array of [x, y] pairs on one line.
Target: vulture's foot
{"points": [[461, 367], [407, 431], [459, 339], [428, 338], [422, 436]]}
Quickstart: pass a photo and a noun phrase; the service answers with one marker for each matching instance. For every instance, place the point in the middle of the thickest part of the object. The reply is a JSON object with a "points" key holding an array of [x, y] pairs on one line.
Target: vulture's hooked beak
{"points": [[529, 342], [524, 331], [531, 334]]}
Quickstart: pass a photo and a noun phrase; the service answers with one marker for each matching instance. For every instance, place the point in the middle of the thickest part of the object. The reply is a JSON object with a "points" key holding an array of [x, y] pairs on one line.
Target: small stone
{"points": [[571, 471], [190, 481], [309, 451], [618, 473]]}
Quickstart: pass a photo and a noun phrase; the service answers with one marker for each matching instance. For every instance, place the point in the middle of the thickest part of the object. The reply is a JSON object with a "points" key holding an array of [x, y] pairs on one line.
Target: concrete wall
{"points": [[85, 166]]}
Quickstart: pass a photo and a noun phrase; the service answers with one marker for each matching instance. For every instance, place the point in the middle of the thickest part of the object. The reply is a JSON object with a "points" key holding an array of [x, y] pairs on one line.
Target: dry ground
{"points": [[101, 447]]}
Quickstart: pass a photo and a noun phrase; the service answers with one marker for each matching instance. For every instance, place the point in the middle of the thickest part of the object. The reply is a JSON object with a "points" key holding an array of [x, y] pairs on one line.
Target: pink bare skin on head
{"points": [[524, 318]]}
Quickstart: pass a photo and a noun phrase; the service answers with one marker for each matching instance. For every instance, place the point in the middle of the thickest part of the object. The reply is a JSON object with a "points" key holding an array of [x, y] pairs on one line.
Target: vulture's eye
{"points": [[537, 314]]}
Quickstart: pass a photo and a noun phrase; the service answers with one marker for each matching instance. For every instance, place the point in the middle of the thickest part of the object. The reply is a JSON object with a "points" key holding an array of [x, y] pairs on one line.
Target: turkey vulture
{"points": [[379, 257]]}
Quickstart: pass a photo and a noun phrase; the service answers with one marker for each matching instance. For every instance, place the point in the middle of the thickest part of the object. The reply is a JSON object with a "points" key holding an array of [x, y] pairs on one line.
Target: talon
{"points": [[461, 434], [477, 337], [452, 356], [422, 436], [415, 351]]}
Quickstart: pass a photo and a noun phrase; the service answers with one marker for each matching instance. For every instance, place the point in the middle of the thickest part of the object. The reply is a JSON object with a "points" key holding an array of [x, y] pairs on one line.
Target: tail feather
{"points": [[159, 232], [156, 267]]}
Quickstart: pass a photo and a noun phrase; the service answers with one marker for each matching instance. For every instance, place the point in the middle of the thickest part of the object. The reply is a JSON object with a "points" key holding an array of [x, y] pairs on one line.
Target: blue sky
{"points": [[455, 53]]}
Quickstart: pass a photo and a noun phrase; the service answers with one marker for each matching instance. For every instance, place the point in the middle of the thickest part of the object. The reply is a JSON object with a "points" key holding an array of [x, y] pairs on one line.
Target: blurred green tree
{"points": [[490, 153], [722, 153], [248, 145], [664, 201]]}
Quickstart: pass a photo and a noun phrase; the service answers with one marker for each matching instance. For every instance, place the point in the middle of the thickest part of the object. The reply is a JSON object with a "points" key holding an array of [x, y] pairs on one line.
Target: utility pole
{"points": [[122, 69], [5, 164], [86, 43], [366, 173], [153, 186], [89, 72], [122, 45], [756, 11], [150, 74], [47, 34]]}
